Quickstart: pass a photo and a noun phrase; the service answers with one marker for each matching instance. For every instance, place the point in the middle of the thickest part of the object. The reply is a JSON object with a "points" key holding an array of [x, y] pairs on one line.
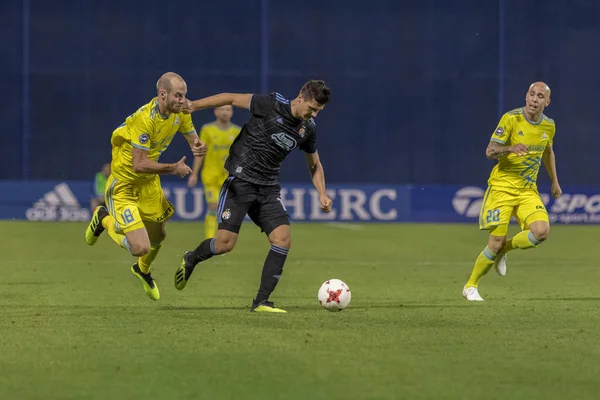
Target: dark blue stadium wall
{"points": [[417, 86]]}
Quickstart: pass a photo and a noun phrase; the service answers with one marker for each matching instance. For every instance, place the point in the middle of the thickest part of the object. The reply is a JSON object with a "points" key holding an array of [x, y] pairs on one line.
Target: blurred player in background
{"points": [[218, 137], [99, 187], [137, 207], [520, 143], [276, 127]]}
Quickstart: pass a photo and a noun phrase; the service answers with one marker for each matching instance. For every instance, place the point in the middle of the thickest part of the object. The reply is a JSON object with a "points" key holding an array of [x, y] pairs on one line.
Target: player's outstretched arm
{"points": [[222, 99], [550, 163], [496, 150], [142, 164], [318, 178]]}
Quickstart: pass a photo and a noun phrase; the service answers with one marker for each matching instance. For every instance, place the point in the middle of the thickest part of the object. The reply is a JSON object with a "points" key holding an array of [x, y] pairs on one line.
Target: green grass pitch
{"points": [[75, 324]]}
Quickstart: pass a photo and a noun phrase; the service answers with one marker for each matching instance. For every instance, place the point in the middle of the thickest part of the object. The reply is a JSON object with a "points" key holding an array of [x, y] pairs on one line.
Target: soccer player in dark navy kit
{"points": [[277, 126]]}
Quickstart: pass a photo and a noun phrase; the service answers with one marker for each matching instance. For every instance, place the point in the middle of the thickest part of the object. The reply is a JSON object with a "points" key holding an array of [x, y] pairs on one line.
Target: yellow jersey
{"points": [[150, 131], [218, 142], [517, 172]]}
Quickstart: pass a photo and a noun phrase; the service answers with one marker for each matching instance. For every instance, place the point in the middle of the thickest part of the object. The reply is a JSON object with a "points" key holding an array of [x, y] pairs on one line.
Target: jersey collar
{"points": [[531, 122]]}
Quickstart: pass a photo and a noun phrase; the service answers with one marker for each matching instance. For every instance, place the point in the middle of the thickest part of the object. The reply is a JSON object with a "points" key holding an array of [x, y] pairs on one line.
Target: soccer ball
{"points": [[334, 295]]}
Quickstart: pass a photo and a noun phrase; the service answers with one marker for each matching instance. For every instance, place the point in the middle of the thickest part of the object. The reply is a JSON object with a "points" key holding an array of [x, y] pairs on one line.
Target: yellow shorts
{"points": [[212, 188], [131, 204], [499, 204]]}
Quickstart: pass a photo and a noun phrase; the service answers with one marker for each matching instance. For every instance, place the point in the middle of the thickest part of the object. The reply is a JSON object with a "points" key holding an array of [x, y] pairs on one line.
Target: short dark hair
{"points": [[316, 90]]}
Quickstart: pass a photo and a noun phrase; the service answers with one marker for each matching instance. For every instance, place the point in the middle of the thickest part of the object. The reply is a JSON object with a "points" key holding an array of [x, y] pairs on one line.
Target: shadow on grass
{"points": [[45, 309], [205, 308], [591, 298]]}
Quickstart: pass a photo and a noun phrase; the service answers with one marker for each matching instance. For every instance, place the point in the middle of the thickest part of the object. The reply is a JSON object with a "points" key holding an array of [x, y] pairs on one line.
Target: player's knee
{"points": [[541, 233], [496, 243], [139, 249], [282, 240]]}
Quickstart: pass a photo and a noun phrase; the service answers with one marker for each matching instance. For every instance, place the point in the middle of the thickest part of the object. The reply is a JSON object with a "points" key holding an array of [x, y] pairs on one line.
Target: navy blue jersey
{"points": [[270, 134]]}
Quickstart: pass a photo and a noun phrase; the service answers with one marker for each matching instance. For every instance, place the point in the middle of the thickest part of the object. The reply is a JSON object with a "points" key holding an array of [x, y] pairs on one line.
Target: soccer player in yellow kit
{"points": [[218, 137], [137, 207], [520, 143]]}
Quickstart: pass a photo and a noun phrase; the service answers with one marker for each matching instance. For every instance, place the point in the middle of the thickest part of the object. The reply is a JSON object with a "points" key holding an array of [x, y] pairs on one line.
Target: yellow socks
{"points": [[147, 259], [210, 224], [485, 261], [482, 265], [522, 240]]}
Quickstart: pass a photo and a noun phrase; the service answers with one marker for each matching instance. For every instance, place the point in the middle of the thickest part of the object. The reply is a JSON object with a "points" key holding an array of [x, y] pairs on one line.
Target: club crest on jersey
{"points": [[284, 141], [226, 214], [302, 131], [144, 138], [499, 131]]}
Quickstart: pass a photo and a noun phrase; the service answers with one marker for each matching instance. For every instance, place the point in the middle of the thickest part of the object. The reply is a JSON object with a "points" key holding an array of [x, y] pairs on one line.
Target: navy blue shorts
{"points": [[262, 204]]}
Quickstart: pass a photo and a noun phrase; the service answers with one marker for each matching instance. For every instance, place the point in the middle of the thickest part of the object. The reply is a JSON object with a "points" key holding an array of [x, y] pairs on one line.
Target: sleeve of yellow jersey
{"points": [[142, 132], [504, 130], [187, 126]]}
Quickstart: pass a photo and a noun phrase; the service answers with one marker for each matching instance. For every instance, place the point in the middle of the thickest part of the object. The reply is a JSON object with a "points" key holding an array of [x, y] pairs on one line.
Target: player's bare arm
{"points": [[223, 99], [550, 163], [142, 164], [318, 178], [198, 147], [193, 179], [496, 150], [192, 139]]}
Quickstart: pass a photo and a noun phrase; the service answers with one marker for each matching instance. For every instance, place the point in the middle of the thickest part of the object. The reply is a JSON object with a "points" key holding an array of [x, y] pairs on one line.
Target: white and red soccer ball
{"points": [[334, 295]]}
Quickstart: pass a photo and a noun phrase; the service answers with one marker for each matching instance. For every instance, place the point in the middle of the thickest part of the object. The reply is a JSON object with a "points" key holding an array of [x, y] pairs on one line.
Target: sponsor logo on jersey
{"points": [[284, 141]]}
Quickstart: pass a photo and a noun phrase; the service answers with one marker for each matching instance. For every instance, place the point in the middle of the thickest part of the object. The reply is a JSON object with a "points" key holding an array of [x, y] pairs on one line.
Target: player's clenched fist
{"points": [[326, 203], [186, 107]]}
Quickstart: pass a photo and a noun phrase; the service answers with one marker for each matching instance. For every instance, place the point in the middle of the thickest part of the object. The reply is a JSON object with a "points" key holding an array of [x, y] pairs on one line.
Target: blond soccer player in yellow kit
{"points": [[218, 137], [520, 143], [137, 207]]}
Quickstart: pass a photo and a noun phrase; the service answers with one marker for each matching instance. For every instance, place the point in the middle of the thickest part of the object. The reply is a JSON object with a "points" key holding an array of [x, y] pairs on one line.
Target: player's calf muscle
{"points": [[225, 241]]}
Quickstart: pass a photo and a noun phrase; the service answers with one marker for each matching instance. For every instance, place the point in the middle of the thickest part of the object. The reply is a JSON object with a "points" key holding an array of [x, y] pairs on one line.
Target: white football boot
{"points": [[471, 294], [500, 265]]}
